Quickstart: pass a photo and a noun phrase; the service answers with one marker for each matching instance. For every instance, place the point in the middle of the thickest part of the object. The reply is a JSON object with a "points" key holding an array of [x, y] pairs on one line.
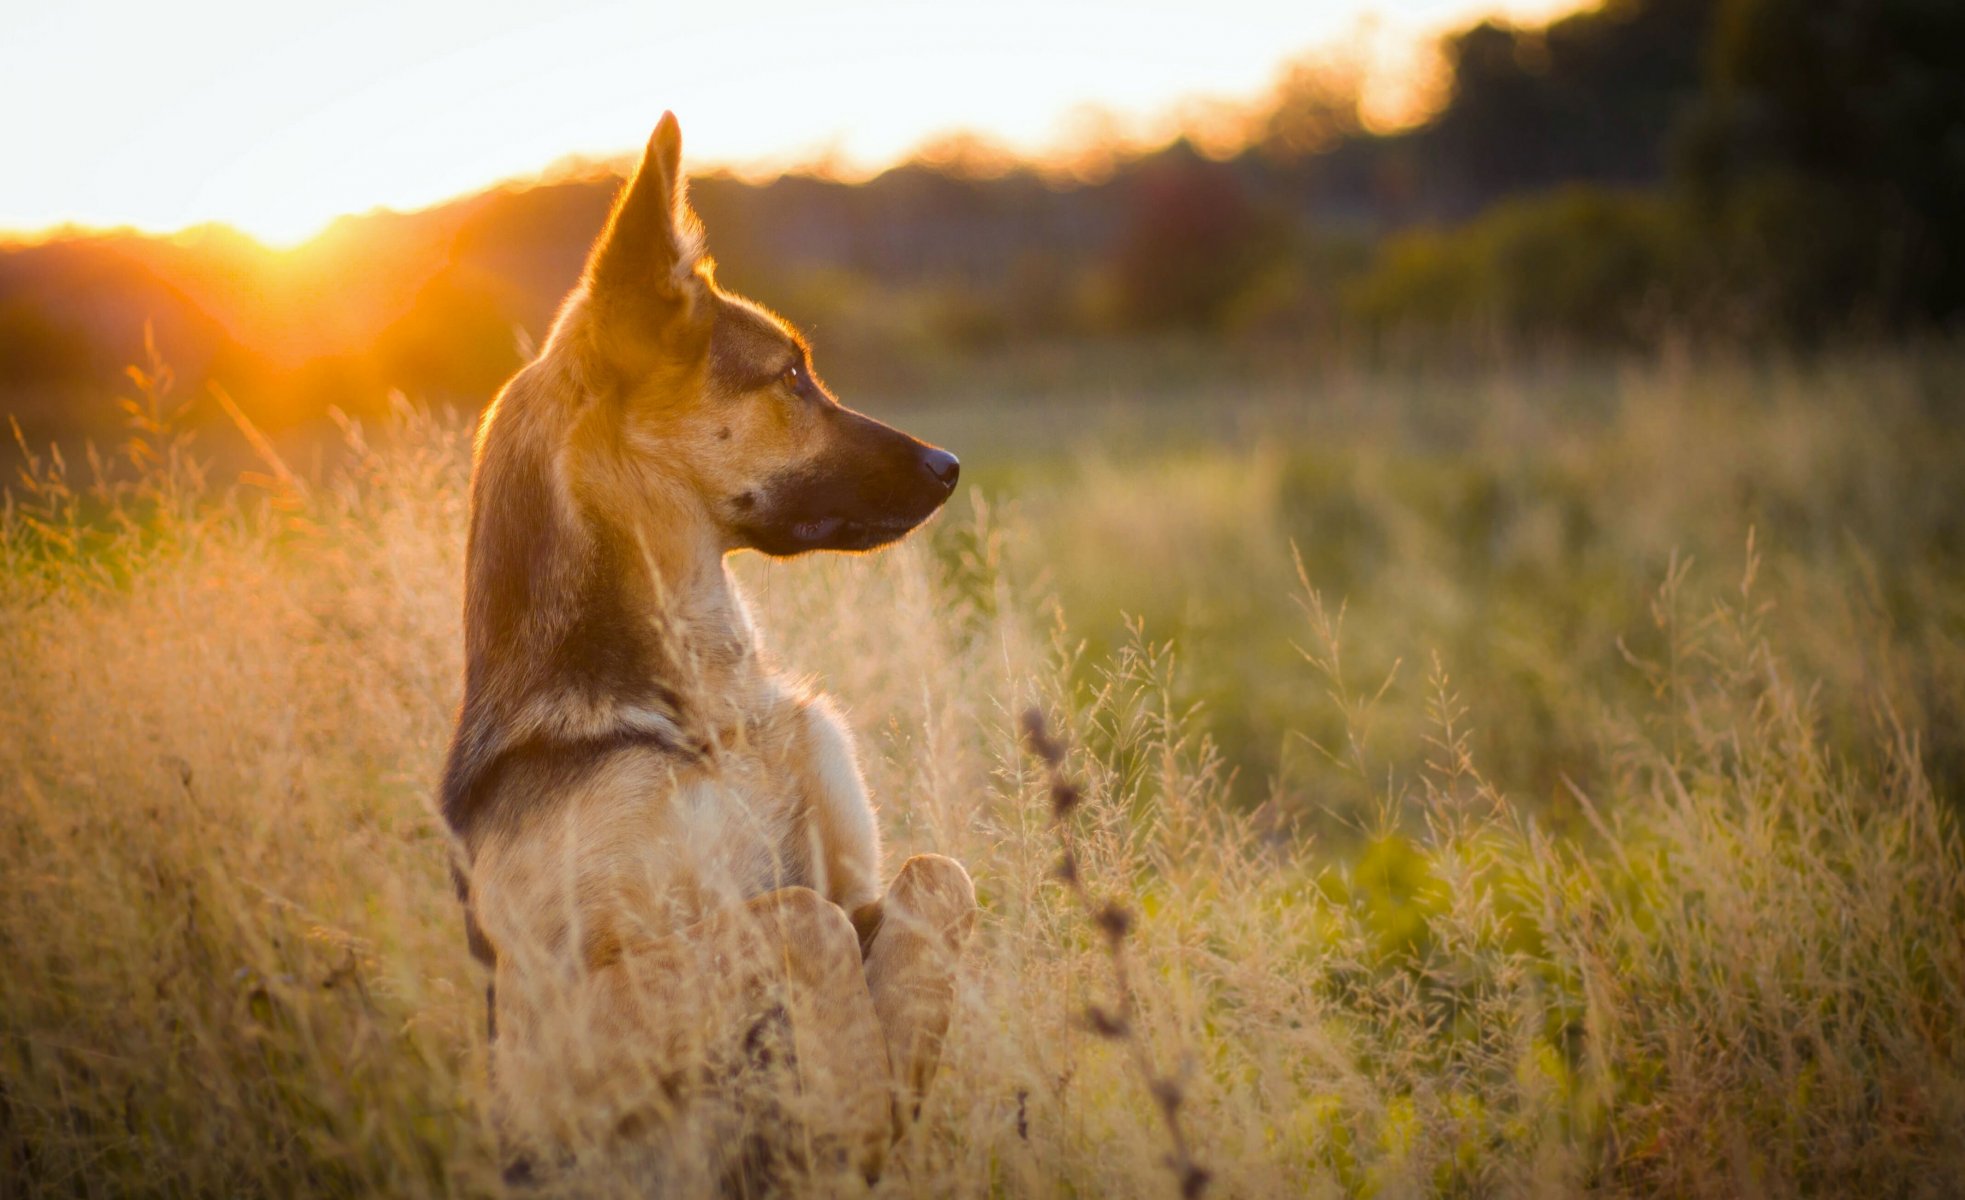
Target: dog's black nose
{"points": [[942, 465]]}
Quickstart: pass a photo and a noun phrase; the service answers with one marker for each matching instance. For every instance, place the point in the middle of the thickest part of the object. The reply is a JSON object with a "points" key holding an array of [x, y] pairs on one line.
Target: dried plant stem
{"points": [[1119, 1022]]}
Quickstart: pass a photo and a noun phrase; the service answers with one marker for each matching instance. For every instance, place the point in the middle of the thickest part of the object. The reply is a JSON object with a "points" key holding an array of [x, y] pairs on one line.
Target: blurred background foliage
{"points": [[1746, 171]]}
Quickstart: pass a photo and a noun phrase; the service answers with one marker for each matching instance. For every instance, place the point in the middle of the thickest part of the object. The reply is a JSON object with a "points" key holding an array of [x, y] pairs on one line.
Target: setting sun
{"points": [[278, 118]]}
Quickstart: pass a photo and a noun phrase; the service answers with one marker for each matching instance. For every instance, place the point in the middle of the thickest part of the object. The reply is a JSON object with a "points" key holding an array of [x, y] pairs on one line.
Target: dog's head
{"points": [[718, 398]]}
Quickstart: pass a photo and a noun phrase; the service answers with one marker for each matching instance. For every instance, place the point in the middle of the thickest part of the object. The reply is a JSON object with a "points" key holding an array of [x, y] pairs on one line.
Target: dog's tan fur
{"points": [[665, 842]]}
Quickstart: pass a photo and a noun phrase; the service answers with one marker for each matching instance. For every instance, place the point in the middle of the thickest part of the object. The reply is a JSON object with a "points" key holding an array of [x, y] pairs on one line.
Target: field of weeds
{"points": [[1535, 782]]}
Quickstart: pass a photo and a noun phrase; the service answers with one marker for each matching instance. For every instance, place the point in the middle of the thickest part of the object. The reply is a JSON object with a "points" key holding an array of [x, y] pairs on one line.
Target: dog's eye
{"points": [[798, 379]]}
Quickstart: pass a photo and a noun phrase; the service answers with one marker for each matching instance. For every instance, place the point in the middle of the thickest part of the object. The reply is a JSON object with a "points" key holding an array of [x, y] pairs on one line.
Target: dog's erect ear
{"points": [[647, 257]]}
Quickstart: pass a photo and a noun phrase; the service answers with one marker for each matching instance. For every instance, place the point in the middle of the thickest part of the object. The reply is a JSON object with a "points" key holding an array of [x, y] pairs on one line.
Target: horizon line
{"points": [[993, 159]]}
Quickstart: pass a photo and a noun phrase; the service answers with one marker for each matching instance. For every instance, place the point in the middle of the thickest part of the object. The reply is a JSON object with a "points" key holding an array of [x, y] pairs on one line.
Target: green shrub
{"points": [[1583, 263]]}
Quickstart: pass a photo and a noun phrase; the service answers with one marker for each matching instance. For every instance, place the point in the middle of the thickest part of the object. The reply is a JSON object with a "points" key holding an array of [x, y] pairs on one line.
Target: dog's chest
{"points": [[641, 848], [736, 827]]}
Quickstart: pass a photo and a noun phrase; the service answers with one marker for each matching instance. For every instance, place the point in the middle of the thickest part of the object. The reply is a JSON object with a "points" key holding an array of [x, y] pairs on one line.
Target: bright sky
{"points": [[279, 115]]}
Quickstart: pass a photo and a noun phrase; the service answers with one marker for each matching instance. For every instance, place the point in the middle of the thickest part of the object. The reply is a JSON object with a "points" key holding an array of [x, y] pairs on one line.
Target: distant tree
{"points": [[36, 351], [1193, 242], [1592, 97], [458, 340], [1582, 262], [1832, 141], [1313, 106]]}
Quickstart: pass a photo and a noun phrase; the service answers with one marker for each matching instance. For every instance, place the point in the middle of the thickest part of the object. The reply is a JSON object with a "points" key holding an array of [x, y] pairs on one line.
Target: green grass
{"points": [[1607, 842], [1517, 524]]}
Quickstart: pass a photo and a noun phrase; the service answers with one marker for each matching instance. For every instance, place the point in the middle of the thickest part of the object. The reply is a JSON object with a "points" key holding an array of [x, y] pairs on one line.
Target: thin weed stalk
{"points": [[1117, 1023]]}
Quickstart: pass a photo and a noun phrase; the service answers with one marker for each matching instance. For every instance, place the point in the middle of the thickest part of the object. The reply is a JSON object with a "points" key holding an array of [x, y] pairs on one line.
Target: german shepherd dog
{"points": [[668, 858]]}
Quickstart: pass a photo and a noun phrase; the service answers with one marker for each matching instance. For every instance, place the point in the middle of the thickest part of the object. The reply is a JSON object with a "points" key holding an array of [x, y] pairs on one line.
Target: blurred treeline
{"points": [[1746, 170]]}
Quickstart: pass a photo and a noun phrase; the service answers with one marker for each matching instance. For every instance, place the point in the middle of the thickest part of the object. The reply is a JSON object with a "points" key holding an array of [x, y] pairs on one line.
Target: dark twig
{"points": [[1118, 1022]]}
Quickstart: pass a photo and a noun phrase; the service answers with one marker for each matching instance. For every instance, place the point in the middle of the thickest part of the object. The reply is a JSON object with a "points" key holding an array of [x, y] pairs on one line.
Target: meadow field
{"points": [[1527, 779]]}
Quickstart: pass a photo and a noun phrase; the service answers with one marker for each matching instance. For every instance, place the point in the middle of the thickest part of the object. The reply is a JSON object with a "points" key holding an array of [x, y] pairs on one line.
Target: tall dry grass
{"points": [[234, 965]]}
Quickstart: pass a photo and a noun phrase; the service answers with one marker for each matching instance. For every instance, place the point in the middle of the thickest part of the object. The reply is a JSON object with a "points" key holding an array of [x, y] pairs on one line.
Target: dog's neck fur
{"points": [[597, 603]]}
